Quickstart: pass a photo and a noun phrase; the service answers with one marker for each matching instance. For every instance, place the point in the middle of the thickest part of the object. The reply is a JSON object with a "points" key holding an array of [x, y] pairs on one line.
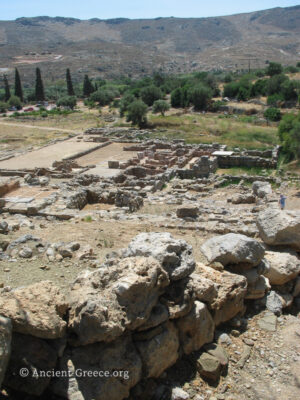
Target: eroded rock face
{"points": [[5, 345], [35, 355], [174, 255], [261, 189], [196, 328], [119, 358], [106, 302], [231, 291], [284, 266], [160, 351], [233, 248], [205, 290], [279, 227], [36, 310]]}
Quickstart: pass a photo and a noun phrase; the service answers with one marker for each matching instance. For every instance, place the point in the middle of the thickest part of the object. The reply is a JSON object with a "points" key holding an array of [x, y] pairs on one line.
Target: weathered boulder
{"points": [[231, 291], [25, 252], [261, 189], [175, 255], [5, 345], [187, 211], [113, 298], [121, 361], [36, 310], [205, 290], [241, 198], [284, 266], [233, 248], [279, 227], [34, 357], [209, 366], [160, 351], [196, 328]]}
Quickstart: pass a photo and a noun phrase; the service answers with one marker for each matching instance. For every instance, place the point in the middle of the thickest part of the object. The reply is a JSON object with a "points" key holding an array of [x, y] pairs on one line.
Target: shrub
{"points": [[44, 114], [259, 88], [274, 99], [125, 102], [274, 69], [67, 101], [216, 105], [150, 94], [176, 98], [228, 78], [243, 94], [103, 96], [160, 106], [200, 97], [288, 90], [3, 107], [274, 84], [289, 135], [137, 113], [272, 114], [14, 101]]}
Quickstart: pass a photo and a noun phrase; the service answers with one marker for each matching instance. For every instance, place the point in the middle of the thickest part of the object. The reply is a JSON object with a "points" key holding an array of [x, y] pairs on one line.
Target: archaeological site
{"points": [[149, 200]]}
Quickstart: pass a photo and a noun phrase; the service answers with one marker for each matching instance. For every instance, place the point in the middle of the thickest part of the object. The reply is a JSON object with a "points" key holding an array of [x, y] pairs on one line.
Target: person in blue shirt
{"points": [[282, 200]]}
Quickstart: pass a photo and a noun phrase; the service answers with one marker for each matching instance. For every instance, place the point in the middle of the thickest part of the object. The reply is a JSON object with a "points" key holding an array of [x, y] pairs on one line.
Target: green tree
{"points": [[150, 94], [39, 87], [88, 88], [160, 106], [69, 83], [137, 113], [176, 98], [3, 107], [6, 88], [200, 97], [18, 85], [67, 101], [103, 96], [272, 114], [274, 84], [15, 101], [288, 90], [125, 102], [289, 135], [274, 69], [228, 78]]}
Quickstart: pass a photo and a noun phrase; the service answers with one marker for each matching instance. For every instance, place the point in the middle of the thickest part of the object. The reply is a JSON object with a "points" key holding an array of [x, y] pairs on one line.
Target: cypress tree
{"points": [[6, 88], [18, 85], [87, 86], [69, 83], [39, 87]]}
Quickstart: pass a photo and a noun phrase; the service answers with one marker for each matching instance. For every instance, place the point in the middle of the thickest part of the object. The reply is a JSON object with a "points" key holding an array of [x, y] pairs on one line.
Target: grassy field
{"points": [[241, 131], [209, 128], [21, 132]]}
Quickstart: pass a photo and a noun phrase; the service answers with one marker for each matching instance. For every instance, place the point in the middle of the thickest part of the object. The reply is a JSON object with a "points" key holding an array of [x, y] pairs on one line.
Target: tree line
{"points": [[133, 97]]}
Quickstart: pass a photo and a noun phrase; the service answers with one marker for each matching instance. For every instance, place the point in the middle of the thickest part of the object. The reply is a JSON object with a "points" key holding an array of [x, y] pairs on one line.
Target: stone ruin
{"points": [[144, 308]]}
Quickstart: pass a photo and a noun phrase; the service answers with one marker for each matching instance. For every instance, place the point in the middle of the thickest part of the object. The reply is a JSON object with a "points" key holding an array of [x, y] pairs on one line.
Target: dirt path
{"points": [[45, 128]]}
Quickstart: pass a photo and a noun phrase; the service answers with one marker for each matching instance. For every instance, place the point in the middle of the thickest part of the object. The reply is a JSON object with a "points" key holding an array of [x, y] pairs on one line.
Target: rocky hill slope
{"points": [[123, 46]]}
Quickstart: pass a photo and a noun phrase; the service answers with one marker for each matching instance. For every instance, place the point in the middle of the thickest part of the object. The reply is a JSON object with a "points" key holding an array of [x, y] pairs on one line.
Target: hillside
{"points": [[135, 47]]}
